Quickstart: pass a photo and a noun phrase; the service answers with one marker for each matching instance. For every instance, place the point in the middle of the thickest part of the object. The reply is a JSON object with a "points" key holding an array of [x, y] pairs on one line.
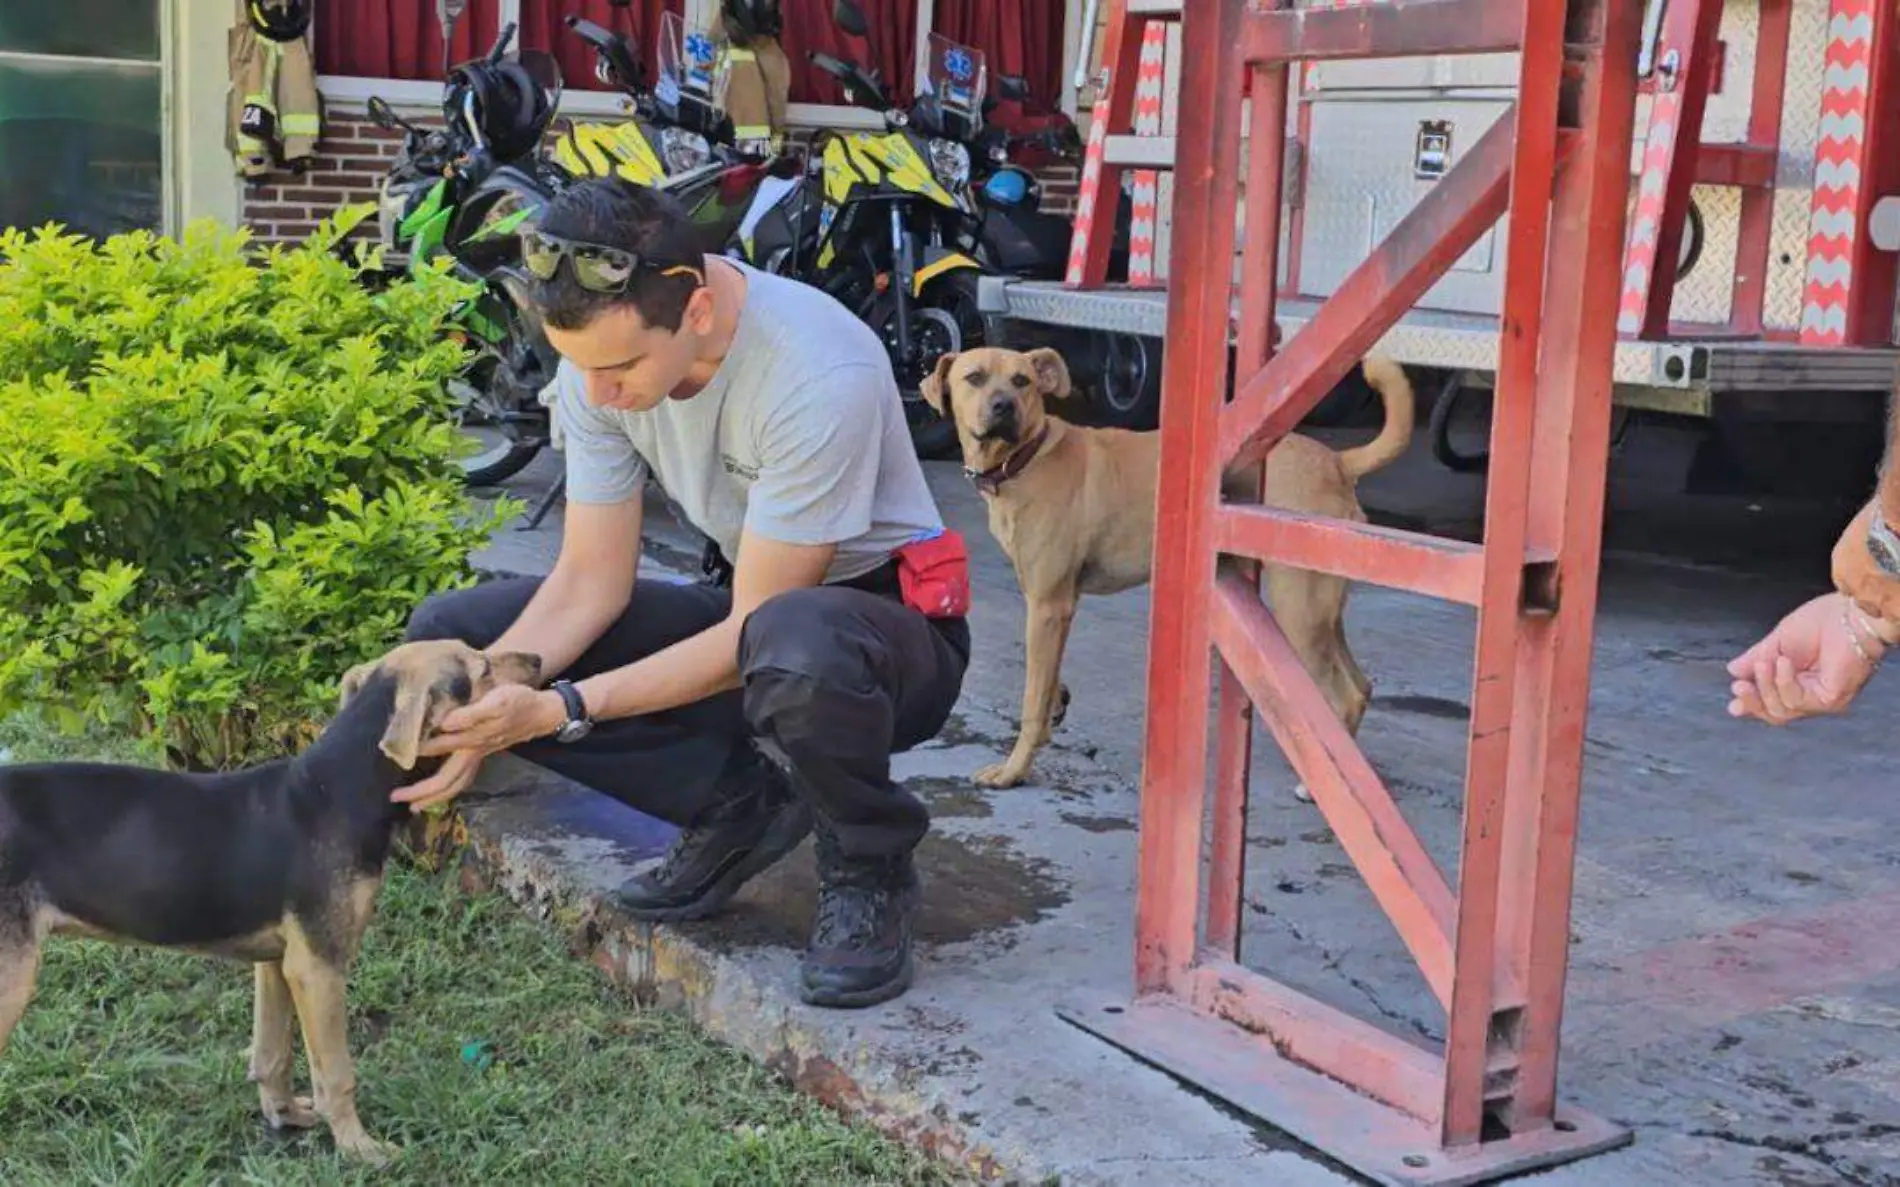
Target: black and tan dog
{"points": [[1074, 509], [279, 865]]}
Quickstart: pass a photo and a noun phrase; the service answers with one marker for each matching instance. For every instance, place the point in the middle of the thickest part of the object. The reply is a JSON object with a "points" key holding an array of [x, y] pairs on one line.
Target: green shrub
{"points": [[225, 476]]}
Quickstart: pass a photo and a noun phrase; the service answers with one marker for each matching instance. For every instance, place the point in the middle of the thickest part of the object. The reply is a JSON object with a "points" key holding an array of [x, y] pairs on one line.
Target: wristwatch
{"points": [[1882, 544], [578, 724]]}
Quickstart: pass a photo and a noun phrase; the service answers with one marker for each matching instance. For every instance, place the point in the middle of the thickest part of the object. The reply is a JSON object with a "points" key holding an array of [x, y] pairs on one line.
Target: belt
{"points": [[883, 580]]}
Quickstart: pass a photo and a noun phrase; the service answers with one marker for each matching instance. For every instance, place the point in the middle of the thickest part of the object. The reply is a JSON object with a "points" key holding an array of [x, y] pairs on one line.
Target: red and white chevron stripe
{"points": [[1144, 203], [1639, 256], [1832, 216], [1085, 196]]}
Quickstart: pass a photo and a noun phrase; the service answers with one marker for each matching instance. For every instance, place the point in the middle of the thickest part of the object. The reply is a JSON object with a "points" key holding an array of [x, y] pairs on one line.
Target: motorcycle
{"points": [[888, 229], [468, 188], [464, 190], [680, 137]]}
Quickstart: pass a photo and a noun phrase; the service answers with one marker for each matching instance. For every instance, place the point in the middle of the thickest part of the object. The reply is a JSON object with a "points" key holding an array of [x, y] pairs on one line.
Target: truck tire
{"points": [[1125, 380]]}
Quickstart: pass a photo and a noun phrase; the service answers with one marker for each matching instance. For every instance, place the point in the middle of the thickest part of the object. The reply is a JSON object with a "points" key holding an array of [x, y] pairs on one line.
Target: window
{"points": [[398, 38], [1023, 37], [1017, 37], [544, 27], [81, 115], [892, 51], [402, 39]]}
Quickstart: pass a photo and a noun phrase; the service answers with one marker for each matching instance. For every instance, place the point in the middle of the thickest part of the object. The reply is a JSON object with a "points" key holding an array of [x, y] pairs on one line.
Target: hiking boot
{"points": [[859, 954], [709, 862]]}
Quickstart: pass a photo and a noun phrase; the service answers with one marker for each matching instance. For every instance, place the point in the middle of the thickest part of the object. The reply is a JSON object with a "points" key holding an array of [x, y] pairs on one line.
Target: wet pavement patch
{"points": [[972, 887], [949, 797], [1426, 706], [1099, 824]]}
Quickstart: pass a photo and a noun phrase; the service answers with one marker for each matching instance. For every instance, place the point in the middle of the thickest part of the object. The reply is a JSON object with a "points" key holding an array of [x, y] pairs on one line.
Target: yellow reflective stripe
{"points": [[301, 125], [748, 131]]}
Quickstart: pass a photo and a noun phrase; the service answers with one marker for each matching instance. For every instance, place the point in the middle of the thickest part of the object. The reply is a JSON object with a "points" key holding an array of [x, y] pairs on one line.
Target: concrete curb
{"points": [[556, 849], [1026, 900]]}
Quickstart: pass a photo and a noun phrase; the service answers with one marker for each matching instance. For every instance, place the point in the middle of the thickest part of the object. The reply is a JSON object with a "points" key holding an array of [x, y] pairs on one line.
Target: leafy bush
{"points": [[225, 476]]}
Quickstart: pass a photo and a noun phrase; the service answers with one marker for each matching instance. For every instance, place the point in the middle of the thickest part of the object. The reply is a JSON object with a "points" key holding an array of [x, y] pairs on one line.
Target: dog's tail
{"points": [[1395, 392]]}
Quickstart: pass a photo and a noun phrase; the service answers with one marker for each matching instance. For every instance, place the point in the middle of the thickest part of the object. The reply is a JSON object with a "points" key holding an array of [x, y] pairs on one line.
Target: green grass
{"points": [[129, 1069]]}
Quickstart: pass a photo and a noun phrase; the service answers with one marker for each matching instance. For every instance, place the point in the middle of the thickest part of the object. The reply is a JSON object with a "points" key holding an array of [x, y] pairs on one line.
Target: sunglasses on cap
{"points": [[596, 267]]}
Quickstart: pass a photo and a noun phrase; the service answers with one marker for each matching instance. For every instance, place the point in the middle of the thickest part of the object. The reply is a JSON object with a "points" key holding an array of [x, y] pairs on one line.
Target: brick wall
{"points": [[351, 159], [1060, 184], [354, 154]]}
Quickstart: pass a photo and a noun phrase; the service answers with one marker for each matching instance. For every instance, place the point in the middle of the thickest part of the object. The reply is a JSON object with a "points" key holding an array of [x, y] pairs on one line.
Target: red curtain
{"points": [[892, 48], [1017, 37], [544, 27], [398, 38]]}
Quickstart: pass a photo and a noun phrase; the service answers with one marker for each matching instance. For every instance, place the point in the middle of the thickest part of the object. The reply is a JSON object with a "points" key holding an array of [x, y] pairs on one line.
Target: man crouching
{"points": [[748, 715]]}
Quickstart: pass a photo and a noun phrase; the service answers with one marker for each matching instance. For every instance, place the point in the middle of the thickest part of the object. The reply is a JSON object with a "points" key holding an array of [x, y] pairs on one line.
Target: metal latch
{"points": [[1431, 156]]}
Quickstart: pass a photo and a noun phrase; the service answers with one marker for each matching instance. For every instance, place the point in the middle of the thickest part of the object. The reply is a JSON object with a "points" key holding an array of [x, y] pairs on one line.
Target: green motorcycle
{"points": [[464, 190]]}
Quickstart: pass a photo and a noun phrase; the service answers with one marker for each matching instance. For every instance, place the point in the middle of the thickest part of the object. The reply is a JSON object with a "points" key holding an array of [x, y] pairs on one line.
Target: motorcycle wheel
{"points": [[505, 445], [944, 321]]}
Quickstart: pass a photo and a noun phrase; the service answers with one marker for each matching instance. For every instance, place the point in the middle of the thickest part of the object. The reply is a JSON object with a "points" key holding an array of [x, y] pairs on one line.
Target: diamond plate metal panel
{"points": [[1707, 294], [1725, 121], [1466, 341], [1794, 179], [1359, 184]]}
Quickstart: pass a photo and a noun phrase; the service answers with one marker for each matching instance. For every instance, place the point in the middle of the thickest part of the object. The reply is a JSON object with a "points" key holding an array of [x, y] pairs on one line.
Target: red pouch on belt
{"points": [[934, 575]]}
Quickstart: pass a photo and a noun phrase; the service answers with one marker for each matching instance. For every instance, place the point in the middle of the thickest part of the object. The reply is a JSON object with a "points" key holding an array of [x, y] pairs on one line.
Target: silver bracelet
{"points": [[1853, 636], [1882, 544]]}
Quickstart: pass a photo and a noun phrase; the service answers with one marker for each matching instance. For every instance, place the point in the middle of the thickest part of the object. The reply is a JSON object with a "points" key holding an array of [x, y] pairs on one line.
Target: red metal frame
{"points": [[1756, 232], [1675, 159], [1494, 953]]}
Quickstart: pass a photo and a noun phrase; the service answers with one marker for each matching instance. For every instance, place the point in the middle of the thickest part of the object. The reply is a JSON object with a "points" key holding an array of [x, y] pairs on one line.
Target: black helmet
{"points": [[279, 20], [514, 100], [748, 20]]}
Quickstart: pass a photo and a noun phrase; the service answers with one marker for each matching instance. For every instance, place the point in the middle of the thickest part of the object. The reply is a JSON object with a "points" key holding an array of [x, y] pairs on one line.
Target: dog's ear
{"points": [[936, 386], [516, 667], [416, 702], [1052, 372], [353, 682]]}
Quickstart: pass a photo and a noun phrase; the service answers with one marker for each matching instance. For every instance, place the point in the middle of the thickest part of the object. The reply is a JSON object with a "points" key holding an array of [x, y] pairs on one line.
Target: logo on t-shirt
{"points": [[736, 467]]}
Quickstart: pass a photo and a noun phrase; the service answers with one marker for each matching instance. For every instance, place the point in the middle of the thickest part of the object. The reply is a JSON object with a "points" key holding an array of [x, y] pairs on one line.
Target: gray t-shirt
{"points": [[800, 436]]}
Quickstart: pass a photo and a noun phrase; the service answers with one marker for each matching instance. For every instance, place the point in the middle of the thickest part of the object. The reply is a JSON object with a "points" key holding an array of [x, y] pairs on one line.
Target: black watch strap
{"points": [[571, 696]]}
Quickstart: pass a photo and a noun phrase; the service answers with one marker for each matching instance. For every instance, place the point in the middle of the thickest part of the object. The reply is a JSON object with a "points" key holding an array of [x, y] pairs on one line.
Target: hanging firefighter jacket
{"points": [[759, 75], [273, 114]]}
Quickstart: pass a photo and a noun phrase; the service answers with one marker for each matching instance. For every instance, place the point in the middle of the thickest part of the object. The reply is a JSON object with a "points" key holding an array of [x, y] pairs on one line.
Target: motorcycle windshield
{"points": [[692, 66], [958, 77]]}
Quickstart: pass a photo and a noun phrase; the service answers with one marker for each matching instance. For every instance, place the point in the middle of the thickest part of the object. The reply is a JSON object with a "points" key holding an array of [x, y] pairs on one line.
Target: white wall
{"points": [[203, 179]]}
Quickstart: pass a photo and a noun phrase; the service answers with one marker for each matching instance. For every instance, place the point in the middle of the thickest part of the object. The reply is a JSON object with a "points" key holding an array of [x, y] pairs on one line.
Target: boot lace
{"points": [[851, 916]]}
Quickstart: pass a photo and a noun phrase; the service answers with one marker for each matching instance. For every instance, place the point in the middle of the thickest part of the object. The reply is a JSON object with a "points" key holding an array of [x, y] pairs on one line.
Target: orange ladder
{"points": [[1124, 135]]}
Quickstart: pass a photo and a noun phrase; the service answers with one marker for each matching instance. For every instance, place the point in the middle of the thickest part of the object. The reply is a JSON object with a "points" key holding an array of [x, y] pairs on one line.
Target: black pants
{"points": [[837, 678]]}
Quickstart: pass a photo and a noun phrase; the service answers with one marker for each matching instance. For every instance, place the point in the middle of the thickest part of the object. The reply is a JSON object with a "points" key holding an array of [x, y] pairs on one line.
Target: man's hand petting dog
{"points": [[505, 718]]}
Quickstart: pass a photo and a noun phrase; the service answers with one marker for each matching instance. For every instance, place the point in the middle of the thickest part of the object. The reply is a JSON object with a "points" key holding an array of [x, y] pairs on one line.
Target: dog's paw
{"points": [[1000, 775], [367, 1150], [295, 1113]]}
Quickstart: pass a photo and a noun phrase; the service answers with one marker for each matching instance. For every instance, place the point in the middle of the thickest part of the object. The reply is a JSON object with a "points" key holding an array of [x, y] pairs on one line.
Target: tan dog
{"points": [[278, 866], [1074, 510]]}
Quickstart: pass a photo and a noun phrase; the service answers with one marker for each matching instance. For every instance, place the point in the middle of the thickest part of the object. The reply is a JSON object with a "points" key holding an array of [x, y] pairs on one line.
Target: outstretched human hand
{"points": [[1814, 662], [505, 718]]}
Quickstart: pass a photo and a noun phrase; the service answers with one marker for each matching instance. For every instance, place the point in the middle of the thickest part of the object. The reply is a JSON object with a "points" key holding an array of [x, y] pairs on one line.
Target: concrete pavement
{"points": [[1734, 995]]}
